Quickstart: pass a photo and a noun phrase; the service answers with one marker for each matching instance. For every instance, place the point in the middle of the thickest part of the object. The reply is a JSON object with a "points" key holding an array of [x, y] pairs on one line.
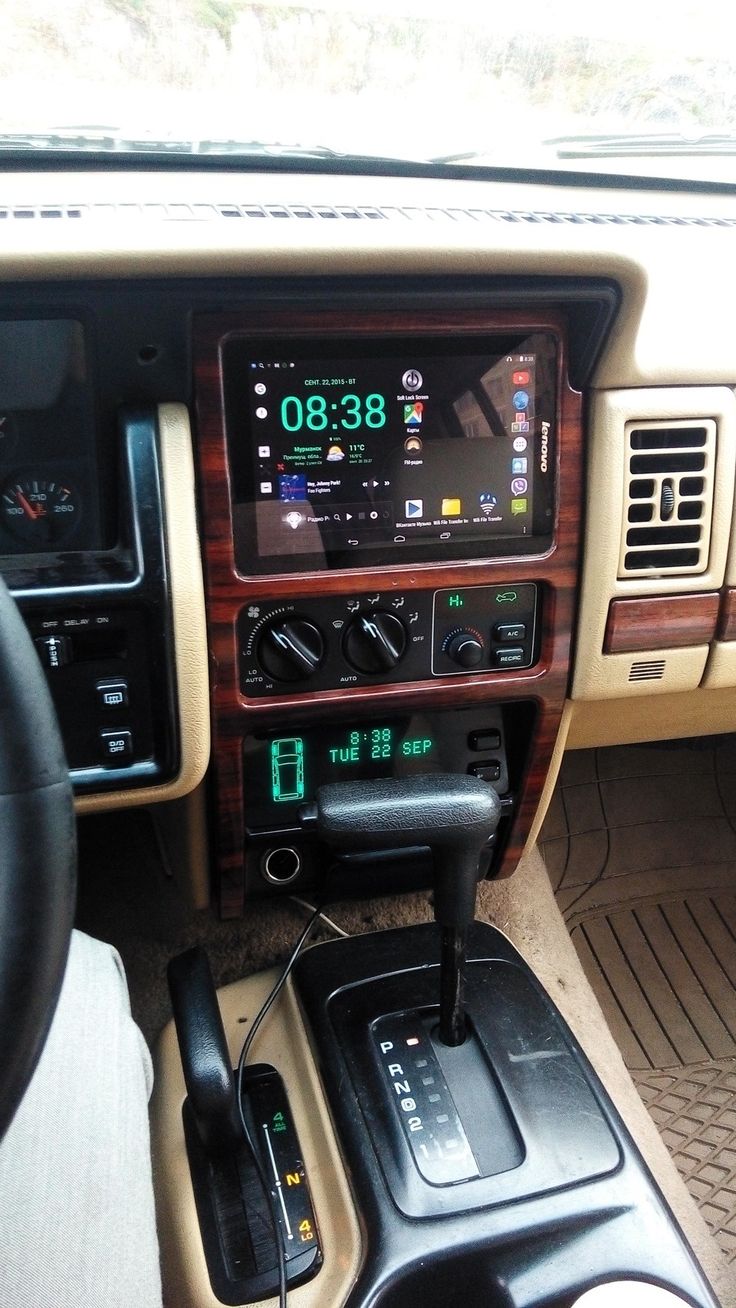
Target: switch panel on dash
{"points": [[97, 667]]}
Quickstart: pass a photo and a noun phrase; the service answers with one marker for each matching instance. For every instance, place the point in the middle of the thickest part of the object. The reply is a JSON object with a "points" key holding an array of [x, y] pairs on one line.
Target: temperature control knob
{"points": [[290, 649], [465, 648], [375, 642]]}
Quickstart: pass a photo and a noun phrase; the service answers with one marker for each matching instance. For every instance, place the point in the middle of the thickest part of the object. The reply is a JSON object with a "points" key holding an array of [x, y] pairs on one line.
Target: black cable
{"points": [[245, 1050]]}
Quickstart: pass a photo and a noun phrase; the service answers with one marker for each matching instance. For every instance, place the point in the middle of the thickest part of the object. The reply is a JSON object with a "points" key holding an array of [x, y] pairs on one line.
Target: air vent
{"points": [[647, 670], [167, 210], [669, 498]]}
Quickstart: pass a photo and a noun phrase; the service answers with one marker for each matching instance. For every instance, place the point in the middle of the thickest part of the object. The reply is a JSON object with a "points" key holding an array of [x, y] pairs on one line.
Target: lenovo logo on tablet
{"points": [[544, 448]]}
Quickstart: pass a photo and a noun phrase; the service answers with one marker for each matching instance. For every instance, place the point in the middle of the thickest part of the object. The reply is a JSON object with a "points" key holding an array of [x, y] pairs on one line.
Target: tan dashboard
{"points": [[653, 646]]}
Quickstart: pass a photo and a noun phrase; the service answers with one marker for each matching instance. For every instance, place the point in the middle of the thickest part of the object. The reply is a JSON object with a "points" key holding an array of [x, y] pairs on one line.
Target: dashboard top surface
{"points": [[243, 225]]}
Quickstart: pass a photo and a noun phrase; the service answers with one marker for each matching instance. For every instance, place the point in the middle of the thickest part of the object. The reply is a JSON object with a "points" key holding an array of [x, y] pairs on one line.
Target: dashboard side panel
{"points": [[187, 601]]}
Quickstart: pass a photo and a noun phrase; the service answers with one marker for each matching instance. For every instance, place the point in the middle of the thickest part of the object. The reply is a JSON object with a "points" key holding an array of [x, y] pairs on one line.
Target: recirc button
{"points": [[510, 657]]}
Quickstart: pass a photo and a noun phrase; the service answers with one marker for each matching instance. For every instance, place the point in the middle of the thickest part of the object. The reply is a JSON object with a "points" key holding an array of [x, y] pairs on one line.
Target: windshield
{"points": [[628, 87]]}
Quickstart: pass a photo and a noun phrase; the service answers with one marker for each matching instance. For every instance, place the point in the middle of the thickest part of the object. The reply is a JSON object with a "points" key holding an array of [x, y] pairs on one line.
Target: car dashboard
{"points": [[135, 316], [317, 476]]}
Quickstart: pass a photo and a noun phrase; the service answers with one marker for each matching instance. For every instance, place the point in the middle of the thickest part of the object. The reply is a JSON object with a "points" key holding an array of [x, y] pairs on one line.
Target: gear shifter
{"points": [[233, 1169], [455, 816]]}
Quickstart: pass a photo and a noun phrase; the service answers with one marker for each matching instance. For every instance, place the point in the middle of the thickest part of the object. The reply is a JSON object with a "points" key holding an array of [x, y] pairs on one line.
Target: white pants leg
{"points": [[77, 1221]]}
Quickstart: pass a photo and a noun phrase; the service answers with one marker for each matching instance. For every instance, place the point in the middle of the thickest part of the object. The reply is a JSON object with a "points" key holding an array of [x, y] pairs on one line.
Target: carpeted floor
{"points": [[126, 898], [640, 844]]}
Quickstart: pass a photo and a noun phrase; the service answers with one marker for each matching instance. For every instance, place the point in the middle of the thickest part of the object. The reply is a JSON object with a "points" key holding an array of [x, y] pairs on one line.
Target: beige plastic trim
{"points": [[606, 676], [281, 1041], [558, 754], [682, 670], [720, 671], [592, 724], [183, 840], [189, 621]]}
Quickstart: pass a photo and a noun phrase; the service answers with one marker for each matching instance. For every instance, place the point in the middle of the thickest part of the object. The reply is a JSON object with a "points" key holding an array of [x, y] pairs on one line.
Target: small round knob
{"points": [[375, 642], [290, 649], [465, 648]]}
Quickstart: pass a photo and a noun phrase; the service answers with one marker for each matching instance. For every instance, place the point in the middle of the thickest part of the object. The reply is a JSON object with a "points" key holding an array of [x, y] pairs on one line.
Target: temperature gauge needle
{"points": [[38, 509], [29, 509]]}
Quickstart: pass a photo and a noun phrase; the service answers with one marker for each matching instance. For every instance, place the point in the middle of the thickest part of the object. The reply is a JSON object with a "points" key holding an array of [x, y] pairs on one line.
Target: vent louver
{"points": [[257, 210], [669, 498], [647, 670]]}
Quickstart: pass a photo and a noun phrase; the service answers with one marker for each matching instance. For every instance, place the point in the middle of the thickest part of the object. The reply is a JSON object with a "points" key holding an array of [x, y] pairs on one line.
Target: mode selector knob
{"points": [[375, 642], [290, 649], [465, 648]]}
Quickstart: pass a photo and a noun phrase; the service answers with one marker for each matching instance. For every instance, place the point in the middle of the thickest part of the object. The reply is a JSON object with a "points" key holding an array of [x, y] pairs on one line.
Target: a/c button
{"points": [[510, 631]]}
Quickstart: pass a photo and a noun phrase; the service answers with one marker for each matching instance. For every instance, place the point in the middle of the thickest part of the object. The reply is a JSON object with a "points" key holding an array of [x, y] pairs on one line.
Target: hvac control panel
{"points": [[337, 641]]}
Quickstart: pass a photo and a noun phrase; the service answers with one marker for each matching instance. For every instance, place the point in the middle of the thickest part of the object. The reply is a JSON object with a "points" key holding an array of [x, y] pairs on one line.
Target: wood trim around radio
{"points": [[555, 572]]}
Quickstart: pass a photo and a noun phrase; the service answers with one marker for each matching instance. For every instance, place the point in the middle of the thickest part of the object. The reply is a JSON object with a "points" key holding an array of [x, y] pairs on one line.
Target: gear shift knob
{"points": [[455, 816]]}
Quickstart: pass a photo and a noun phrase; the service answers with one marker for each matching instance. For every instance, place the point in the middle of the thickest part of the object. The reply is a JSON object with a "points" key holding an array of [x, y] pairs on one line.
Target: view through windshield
{"points": [[412, 79]]}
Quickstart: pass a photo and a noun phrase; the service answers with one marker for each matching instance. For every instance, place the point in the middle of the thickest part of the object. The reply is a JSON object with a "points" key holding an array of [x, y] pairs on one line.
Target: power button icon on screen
{"points": [[412, 379]]}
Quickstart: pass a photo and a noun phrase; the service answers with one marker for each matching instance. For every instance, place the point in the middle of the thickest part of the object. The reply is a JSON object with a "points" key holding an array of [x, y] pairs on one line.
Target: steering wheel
{"points": [[38, 859]]}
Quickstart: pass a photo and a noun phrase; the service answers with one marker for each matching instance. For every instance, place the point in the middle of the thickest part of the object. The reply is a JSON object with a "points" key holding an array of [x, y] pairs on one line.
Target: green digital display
{"points": [[417, 748], [358, 746], [374, 744], [287, 770], [455, 601]]}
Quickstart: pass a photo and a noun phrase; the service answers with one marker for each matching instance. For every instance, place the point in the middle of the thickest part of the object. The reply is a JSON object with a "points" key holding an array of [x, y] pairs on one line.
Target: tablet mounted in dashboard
{"points": [[391, 508], [389, 451]]}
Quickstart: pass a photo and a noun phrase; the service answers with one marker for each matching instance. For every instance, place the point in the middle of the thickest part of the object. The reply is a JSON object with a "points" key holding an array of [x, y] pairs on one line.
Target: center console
{"points": [[494, 1173], [486, 1162], [391, 501]]}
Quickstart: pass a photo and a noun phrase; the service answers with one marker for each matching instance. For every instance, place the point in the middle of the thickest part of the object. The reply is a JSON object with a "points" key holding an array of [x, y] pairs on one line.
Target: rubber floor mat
{"points": [[641, 847]]}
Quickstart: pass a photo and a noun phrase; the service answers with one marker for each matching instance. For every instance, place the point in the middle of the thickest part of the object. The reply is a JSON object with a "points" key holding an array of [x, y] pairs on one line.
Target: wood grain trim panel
{"points": [[662, 622], [556, 572], [727, 620]]}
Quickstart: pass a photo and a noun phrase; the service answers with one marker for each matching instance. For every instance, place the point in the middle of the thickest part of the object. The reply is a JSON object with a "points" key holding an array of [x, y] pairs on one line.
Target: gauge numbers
{"points": [[39, 510]]}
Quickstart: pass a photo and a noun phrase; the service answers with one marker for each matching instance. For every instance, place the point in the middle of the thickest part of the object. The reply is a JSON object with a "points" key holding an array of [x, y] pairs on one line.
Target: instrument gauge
{"points": [[39, 510]]}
